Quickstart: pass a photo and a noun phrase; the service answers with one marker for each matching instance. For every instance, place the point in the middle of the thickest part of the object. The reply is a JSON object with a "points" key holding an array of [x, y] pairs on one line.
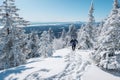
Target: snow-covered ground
{"points": [[64, 65]]}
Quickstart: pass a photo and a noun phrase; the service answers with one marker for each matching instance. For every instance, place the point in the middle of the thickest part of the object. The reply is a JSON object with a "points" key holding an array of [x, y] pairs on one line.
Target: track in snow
{"points": [[74, 69]]}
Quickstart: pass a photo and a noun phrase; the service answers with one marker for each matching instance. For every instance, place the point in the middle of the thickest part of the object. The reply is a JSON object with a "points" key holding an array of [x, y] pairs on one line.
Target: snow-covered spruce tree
{"points": [[63, 38], [59, 43], [50, 35], [46, 47], [109, 41], [116, 4], [63, 34], [33, 45], [86, 35], [72, 33], [100, 27], [13, 40]]}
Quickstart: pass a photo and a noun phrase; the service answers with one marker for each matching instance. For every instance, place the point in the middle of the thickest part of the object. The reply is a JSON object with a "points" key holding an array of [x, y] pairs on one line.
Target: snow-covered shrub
{"points": [[109, 63], [105, 59]]}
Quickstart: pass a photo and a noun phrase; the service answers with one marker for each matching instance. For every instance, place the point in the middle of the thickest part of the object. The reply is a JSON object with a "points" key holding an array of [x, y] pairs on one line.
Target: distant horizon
{"points": [[63, 22], [55, 21]]}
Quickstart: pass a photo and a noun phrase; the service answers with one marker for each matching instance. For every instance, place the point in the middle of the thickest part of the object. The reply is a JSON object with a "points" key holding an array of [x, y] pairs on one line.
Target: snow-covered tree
{"points": [[116, 4], [63, 34], [109, 41], [46, 47], [13, 40], [59, 43], [33, 45], [100, 27], [50, 35], [72, 32], [91, 19], [63, 38], [86, 35]]}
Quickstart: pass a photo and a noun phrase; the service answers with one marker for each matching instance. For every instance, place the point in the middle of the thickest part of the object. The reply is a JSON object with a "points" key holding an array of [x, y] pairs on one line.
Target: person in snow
{"points": [[73, 42]]}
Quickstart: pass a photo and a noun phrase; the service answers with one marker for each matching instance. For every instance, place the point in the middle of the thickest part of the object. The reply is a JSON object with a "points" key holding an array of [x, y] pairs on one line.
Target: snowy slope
{"points": [[37, 68], [94, 73], [64, 65]]}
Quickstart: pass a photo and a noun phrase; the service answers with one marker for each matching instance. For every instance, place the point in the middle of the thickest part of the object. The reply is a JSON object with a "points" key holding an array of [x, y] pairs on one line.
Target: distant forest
{"points": [[57, 28]]}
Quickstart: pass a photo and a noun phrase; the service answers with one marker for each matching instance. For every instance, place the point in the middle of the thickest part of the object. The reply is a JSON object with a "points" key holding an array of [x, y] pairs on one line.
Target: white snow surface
{"points": [[64, 65]]}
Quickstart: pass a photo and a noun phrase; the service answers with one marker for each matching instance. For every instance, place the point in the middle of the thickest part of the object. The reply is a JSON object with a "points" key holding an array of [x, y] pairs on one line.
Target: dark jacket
{"points": [[73, 42]]}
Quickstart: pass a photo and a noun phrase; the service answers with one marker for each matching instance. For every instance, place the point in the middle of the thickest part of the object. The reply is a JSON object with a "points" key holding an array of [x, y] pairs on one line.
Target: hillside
{"points": [[64, 65]]}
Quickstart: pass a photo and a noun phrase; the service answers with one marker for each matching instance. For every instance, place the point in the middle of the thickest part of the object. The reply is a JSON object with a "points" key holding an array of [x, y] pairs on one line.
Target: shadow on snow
{"points": [[16, 70], [36, 75]]}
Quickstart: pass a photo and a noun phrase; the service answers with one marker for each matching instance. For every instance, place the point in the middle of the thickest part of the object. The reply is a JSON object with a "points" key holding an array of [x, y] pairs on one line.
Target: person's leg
{"points": [[72, 47]]}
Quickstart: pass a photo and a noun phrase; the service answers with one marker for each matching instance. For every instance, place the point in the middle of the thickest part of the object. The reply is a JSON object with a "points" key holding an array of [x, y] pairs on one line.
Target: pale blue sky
{"points": [[62, 10]]}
